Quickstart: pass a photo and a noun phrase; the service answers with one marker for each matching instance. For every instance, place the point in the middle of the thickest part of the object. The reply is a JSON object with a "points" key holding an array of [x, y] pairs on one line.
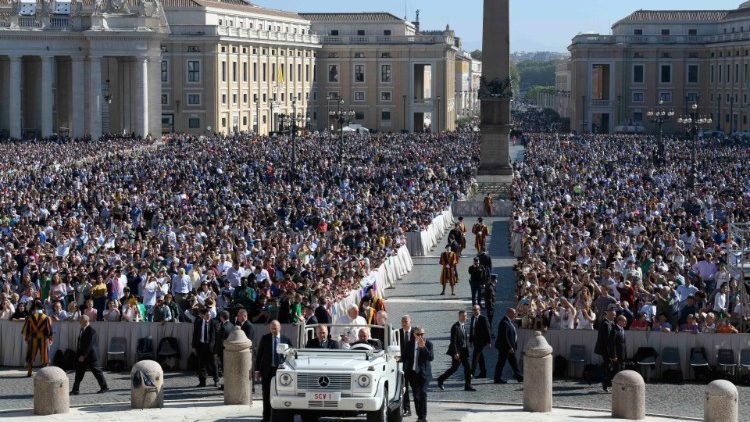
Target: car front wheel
{"points": [[381, 414]]}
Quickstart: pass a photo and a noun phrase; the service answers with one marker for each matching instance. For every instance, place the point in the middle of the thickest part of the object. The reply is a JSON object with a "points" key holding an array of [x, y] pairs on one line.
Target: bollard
{"points": [[721, 402], [537, 375], [238, 358], [628, 396], [51, 391], [147, 385]]}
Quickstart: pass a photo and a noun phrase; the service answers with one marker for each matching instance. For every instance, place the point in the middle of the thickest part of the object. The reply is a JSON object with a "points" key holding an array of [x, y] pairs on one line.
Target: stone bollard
{"points": [[628, 396], [537, 375], [721, 402], [238, 358], [147, 388], [51, 391]]}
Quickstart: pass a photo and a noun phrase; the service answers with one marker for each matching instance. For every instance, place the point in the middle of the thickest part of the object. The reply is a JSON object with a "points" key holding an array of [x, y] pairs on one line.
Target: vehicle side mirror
{"points": [[282, 349]]}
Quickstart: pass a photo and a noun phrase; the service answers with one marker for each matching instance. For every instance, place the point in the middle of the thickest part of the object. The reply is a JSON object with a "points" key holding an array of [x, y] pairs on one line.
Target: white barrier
{"points": [[420, 243]]}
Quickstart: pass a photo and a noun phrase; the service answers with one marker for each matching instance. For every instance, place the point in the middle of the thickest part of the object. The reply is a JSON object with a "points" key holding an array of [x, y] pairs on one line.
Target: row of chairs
{"points": [[168, 350], [646, 359]]}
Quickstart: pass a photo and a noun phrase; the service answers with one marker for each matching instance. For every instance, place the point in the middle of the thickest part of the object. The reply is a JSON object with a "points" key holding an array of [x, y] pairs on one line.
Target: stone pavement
{"points": [[216, 411]]}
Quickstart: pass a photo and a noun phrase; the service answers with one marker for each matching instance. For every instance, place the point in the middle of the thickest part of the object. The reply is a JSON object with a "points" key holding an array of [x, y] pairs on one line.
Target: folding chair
{"points": [[726, 362], [117, 351], [577, 356]]}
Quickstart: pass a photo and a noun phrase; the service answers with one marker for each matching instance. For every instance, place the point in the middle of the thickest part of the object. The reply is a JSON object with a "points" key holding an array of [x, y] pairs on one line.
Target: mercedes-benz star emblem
{"points": [[323, 381]]}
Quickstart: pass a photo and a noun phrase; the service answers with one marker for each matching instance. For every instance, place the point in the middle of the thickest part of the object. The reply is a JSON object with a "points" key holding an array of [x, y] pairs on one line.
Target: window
{"points": [[265, 71], [736, 72], [244, 71], [194, 123], [223, 122], [712, 74], [164, 99], [194, 70], [244, 120], [692, 32], [637, 97], [359, 55], [692, 97], [333, 73], [273, 72], [307, 73], [665, 74], [665, 97], [385, 116], [234, 71], [291, 72], [164, 71], [385, 55], [359, 73], [223, 71], [692, 74], [334, 32], [387, 32], [194, 99], [193, 49], [255, 72], [223, 98], [385, 96], [637, 32], [359, 96], [638, 73], [234, 98], [361, 32], [385, 73], [244, 98], [359, 115], [665, 32]]}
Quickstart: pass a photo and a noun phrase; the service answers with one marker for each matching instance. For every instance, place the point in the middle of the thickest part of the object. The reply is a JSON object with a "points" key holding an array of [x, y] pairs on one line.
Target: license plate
{"points": [[323, 396]]}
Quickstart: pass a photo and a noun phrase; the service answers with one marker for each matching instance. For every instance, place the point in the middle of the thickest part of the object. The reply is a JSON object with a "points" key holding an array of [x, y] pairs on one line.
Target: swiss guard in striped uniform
{"points": [[37, 330], [448, 275]]}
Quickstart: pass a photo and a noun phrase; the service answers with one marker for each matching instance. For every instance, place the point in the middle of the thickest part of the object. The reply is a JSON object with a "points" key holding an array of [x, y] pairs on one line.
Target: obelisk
{"points": [[495, 92]]}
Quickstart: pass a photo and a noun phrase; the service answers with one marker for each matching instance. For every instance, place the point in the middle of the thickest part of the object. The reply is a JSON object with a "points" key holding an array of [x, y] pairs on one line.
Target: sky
{"points": [[536, 25]]}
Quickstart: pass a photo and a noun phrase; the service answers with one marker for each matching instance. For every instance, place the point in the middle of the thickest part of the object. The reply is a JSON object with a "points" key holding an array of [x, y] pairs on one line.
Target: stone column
{"points": [[154, 96], [721, 403], [537, 375], [77, 98], [147, 385], [14, 97], [238, 358], [47, 99], [95, 97], [495, 110], [141, 96], [628, 396], [51, 391]]}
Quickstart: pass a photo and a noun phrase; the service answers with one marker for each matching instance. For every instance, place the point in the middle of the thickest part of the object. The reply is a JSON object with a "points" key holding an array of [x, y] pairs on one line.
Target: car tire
{"points": [[281, 416], [380, 415], [309, 418], [395, 415]]}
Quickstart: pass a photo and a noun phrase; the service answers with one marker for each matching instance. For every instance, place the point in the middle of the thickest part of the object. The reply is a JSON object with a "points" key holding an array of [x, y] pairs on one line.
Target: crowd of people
{"points": [[600, 223], [136, 230]]}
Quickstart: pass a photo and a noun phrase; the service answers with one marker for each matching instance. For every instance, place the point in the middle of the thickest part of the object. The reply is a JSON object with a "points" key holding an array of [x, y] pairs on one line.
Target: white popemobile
{"points": [[315, 383]]}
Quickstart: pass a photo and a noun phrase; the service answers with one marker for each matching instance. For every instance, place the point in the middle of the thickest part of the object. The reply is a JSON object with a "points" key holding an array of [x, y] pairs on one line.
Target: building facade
{"points": [[393, 76], [154, 66], [677, 58]]}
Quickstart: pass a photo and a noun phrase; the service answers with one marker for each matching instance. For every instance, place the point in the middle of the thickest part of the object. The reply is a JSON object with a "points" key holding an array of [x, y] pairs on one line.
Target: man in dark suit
{"points": [[321, 340], [309, 314], [364, 337], [458, 350], [506, 345], [418, 370], [477, 278], [267, 361], [88, 357], [602, 339], [616, 347], [321, 313], [245, 324], [223, 328], [405, 335], [204, 342], [479, 337]]}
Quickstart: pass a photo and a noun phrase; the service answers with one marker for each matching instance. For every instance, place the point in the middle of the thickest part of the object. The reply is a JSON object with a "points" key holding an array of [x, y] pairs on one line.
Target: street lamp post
{"points": [[693, 123], [342, 116], [660, 115]]}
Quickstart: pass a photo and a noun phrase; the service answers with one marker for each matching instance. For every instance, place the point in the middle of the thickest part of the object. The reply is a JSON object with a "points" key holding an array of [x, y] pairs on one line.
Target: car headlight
{"points": [[363, 381], [285, 379]]}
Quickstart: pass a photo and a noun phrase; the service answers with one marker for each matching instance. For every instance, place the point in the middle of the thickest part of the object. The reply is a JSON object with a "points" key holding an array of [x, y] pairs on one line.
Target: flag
{"points": [[281, 73]]}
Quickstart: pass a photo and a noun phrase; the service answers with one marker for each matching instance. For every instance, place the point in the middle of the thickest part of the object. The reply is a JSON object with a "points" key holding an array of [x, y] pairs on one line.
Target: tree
{"points": [[476, 54], [536, 73]]}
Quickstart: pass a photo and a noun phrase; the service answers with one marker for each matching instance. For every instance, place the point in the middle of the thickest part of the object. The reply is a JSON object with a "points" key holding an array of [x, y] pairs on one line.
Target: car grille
{"points": [[311, 382], [322, 404]]}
